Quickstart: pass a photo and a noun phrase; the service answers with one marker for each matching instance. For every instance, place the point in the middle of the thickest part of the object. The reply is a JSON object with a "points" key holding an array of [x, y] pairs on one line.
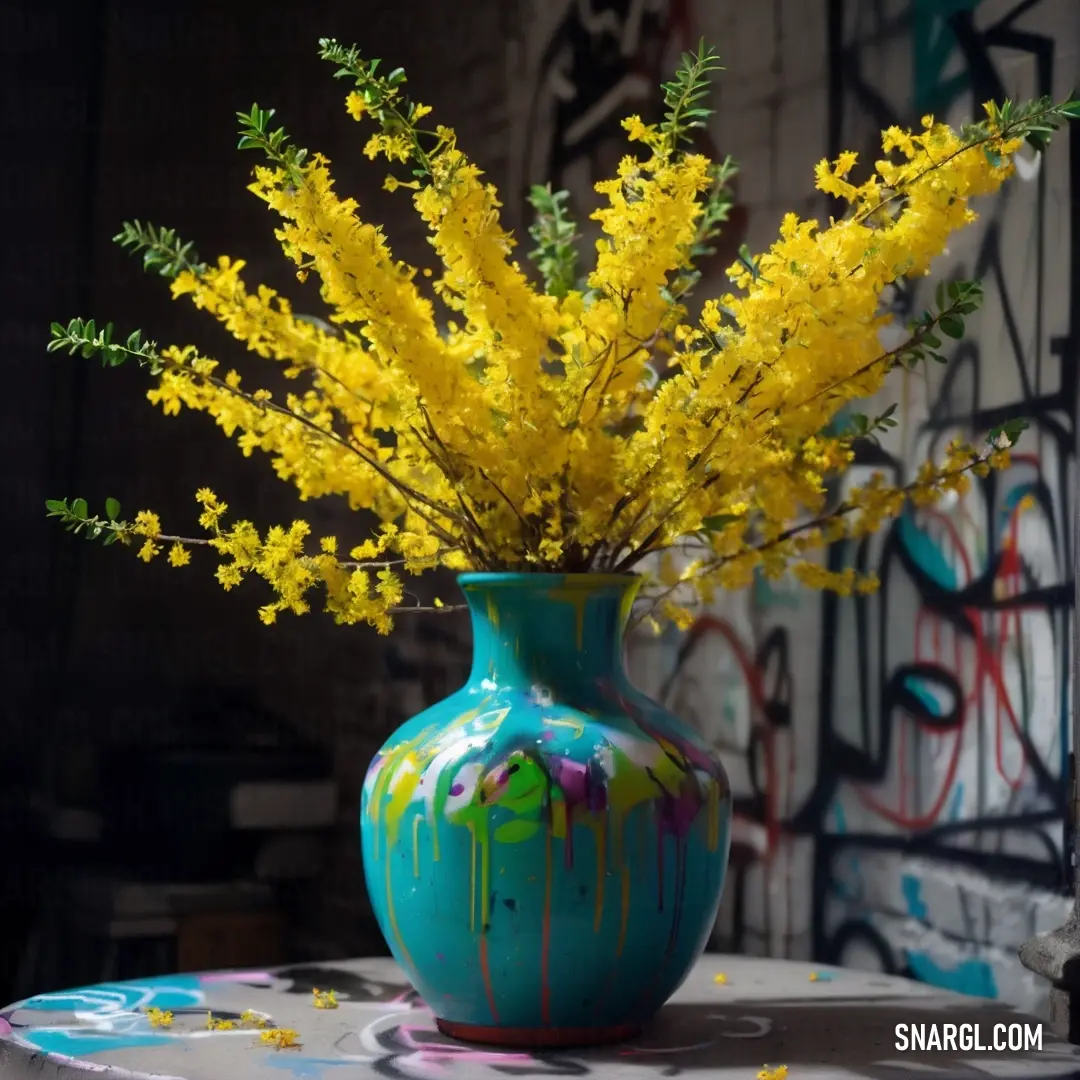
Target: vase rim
{"points": [[514, 577]]}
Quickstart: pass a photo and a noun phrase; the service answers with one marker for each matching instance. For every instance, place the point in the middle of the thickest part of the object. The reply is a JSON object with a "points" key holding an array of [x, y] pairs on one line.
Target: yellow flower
{"points": [[636, 130], [179, 555], [324, 999], [159, 1018], [720, 979], [146, 524], [395, 147], [148, 551], [355, 105], [583, 426], [778, 1072], [281, 1038]]}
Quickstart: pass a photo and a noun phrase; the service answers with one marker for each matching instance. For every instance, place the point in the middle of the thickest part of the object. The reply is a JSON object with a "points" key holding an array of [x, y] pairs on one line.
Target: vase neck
{"points": [[551, 630]]}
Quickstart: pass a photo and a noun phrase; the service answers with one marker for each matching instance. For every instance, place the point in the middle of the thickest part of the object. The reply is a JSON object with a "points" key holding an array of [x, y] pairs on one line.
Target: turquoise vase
{"points": [[545, 849]]}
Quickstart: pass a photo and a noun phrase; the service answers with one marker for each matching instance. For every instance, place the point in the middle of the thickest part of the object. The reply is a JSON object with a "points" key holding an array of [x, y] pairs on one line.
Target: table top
{"points": [[734, 1017]]}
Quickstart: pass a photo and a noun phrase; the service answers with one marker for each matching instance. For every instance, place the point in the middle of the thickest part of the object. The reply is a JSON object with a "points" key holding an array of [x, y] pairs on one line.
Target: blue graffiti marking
{"points": [[303, 1068], [766, 595], [972, 976], [77, 1043], [162, 992], [911, 887], [927, 698], [109, 1016], [956, 803], [933, 46], [1013, 497], [926, 554], [843, 889]]}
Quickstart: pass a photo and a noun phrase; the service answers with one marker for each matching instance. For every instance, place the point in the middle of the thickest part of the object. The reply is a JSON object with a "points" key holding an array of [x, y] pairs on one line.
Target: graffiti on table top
{"points": [[114, 1016], [408, 1046], [348, 985]]}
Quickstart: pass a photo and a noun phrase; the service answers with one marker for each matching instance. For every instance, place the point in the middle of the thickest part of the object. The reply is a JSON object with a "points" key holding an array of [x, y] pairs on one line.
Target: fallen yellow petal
{"points": [[159, 1017], [282, 1038]]}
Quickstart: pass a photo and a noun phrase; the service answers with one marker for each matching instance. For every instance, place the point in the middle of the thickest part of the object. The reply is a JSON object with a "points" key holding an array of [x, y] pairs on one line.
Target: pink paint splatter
{"points": [[437, 1053], [5, 1027]]}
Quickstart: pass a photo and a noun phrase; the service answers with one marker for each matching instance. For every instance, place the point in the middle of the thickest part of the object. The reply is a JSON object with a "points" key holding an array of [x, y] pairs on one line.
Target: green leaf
{"points": [[718, 522], [79, 508], [56, 506], [112, 509], [1010, 430], [952, 326], [682, 94]]}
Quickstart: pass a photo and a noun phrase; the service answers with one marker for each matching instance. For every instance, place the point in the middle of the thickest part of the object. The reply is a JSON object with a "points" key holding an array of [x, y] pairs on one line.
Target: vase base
{"points": [[538, 1038]]}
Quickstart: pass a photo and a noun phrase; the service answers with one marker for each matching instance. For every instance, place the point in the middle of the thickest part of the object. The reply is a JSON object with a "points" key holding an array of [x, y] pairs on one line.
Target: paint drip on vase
{"points": [[545, 849]]}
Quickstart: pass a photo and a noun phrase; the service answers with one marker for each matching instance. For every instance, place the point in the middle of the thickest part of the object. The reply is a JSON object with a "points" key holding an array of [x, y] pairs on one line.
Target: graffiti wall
{"points": [[900, 760], [578, 68]]}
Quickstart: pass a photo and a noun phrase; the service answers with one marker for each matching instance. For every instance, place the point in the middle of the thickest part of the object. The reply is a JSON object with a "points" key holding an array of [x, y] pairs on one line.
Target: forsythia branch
{"points": [[491, 423]]}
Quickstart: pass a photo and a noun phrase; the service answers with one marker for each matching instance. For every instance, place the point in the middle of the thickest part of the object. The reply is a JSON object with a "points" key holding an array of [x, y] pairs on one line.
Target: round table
{"points": [[733, 1018]]}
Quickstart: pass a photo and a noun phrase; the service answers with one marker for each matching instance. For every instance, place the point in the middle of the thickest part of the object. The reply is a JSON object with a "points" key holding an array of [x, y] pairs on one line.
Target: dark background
{"points": [[120, 110]]}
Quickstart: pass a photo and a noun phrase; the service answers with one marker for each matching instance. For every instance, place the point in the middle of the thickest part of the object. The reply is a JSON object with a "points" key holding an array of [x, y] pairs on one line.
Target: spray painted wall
{"points": [[900, 760]]}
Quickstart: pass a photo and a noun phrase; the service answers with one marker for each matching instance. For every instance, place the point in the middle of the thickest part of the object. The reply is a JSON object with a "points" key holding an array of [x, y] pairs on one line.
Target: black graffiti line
{"points": [[597, 67], [1055, 598], [955, 606], [989, 865], [1010, 17]]}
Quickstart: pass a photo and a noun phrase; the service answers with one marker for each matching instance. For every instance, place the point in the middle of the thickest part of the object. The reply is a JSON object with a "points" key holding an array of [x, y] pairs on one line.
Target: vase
{"points": [[545, 849]]}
